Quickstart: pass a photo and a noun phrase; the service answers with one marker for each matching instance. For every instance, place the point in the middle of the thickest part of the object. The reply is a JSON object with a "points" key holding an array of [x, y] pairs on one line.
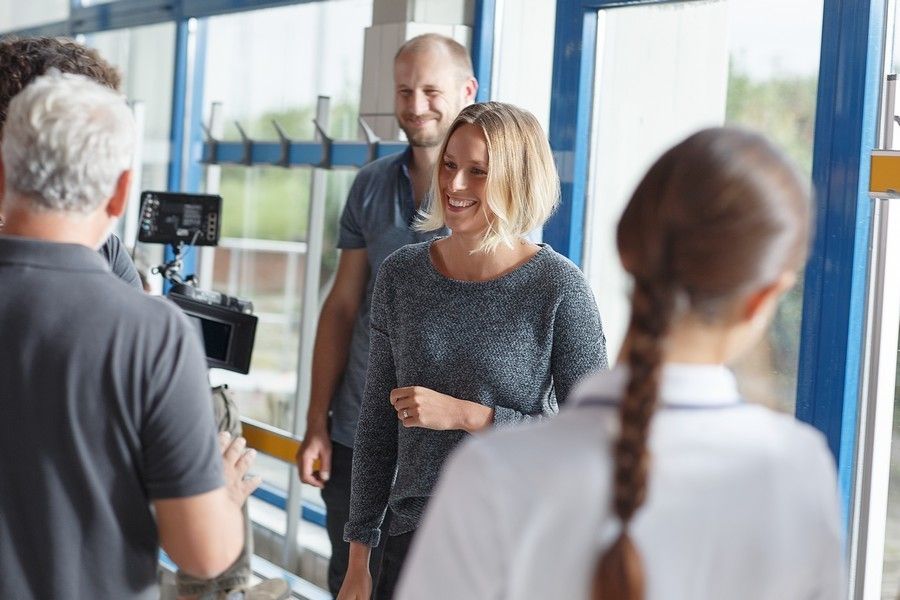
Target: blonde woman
{"points": [[478, 329], [657, 482]]}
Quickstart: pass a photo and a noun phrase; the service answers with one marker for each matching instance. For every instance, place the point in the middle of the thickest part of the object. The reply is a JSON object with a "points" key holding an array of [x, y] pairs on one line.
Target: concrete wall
{"points": [[394, 22]]}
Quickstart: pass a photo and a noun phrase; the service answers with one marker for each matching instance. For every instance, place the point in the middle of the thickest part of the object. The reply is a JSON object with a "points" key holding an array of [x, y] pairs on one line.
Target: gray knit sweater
{"points": [[517, 344]]}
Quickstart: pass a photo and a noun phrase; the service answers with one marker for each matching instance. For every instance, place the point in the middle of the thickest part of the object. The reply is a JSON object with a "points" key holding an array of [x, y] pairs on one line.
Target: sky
{"points": [[775, 37]]}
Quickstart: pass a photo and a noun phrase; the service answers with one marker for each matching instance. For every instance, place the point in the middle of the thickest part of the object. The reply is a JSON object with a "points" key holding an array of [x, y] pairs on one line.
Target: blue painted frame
{"points": [[277, 497], [846, 125], [835, 285], [136, 13], [483, 47], [177, 134]]}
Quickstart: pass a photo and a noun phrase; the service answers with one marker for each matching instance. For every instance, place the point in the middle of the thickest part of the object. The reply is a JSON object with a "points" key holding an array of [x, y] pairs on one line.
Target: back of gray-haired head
{"points": [[66, 141]]}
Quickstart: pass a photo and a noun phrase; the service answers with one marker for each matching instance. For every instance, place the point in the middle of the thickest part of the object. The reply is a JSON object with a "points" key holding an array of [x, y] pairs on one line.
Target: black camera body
{"points": [[225, 324]]}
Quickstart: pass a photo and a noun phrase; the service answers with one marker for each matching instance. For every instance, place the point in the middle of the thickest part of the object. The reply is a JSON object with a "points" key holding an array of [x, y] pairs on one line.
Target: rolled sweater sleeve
{"points": [[579, 346], [375, 447]]}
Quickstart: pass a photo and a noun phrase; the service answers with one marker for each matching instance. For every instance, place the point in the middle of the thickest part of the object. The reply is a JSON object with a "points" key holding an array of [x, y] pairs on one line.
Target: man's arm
{"points": [[332, 346], [204, 533], [119, 262]]}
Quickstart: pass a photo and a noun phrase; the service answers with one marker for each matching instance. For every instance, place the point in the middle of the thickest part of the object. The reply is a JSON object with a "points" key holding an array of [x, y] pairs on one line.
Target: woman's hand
{"points": [[358, 581], [418, 406]]}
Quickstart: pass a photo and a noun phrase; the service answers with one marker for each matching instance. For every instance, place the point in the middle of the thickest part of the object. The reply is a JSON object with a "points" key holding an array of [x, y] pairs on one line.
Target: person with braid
{"points": [[657, 481], [476, 330]]}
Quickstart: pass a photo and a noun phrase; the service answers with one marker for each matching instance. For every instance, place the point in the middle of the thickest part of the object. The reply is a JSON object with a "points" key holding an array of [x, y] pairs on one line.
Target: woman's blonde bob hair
{"points": [[522, 188]]}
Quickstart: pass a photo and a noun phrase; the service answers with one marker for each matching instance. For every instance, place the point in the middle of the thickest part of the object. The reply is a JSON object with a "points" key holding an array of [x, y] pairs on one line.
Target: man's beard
{"points": [[424, 140]]}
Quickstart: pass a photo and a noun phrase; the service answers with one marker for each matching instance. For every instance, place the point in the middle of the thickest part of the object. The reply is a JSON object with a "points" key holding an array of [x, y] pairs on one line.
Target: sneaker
{"points": [[270, 589]]}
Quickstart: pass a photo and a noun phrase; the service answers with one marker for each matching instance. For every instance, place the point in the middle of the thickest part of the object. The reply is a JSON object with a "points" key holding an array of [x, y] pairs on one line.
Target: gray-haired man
{"points": [[102, 387]]}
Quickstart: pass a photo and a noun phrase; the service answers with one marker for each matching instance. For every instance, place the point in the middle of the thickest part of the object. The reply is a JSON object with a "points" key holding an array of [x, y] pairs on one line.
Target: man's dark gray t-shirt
{"points": [[105, 406], [120, 263], [378, 216]]}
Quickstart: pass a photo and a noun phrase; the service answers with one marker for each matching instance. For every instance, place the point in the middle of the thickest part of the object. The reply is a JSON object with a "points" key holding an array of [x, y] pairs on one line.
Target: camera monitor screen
{"points": [[216, 336], [228, 335], [169, 218]]}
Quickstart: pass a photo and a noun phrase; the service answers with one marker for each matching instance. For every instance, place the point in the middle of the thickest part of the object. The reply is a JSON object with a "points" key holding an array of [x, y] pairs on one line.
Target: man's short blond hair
{"points": [[522, 188], [428, 41]]}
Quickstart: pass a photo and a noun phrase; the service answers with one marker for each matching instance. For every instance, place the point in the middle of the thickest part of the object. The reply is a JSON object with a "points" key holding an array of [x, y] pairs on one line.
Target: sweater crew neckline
{"points": [[521, 270]]}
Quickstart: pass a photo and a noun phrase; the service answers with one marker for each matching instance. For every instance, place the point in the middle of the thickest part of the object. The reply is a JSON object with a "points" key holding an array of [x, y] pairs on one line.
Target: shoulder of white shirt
{"points": [[681, 385]]}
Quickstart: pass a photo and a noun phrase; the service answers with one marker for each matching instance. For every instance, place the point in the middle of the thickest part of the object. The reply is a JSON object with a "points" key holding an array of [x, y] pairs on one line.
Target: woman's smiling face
{"points": [[463, 180]]}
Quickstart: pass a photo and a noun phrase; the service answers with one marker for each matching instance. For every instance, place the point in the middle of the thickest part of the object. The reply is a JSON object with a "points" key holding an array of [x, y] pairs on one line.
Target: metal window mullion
{"points": [[129, 234], [309, 315], [873, 459], [211, 186], [177, 128]]}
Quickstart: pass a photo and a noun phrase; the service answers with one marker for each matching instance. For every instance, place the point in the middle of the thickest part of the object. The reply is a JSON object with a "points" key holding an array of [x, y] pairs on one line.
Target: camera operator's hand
{"points": [[236, 460], [314, 458]]}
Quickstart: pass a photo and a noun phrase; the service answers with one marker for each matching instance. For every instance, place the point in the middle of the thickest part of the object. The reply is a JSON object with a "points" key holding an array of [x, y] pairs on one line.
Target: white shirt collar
{"points": [[681, 385]]}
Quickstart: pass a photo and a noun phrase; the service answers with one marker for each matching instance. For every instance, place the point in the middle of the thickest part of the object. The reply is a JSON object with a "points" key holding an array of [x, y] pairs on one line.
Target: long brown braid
{"points": [[719, 215]]}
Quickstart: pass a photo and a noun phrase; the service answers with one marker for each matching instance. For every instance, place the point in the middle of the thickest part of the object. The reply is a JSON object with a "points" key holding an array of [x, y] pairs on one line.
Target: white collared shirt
{"points": [[742, 503]]}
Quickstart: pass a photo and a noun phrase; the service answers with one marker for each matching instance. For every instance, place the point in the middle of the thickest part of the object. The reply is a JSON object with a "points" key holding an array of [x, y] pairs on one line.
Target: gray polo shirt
{"points": [[104, 406], [378, 214], [119, 262]]}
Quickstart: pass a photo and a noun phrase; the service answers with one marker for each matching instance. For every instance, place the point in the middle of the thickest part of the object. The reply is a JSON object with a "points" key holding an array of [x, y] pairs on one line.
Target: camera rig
{"points": [[226, 324]]}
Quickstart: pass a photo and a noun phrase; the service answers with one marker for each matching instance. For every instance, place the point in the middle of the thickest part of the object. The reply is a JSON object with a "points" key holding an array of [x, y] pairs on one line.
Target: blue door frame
{"points": [[849, 76]]}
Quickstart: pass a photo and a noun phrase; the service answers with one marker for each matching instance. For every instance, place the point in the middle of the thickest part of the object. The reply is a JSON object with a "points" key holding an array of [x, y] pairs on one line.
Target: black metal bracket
{"points": [[247, 143], [284, 141], [327, 143], [213, 158], [372, 140]]}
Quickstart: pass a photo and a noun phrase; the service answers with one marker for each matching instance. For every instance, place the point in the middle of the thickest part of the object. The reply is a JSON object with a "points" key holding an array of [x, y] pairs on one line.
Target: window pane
{"points": [[523, 42], [263, 258], [272, 65], [146, 58], [664, 71], [17, 14]]}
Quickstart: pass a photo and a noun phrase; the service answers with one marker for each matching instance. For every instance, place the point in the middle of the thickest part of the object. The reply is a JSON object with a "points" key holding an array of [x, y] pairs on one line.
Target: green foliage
{"points": [[784, 109]]}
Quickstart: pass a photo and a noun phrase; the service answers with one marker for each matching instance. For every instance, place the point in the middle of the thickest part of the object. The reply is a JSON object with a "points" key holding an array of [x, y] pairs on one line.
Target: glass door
{"points": [[666, 70]]}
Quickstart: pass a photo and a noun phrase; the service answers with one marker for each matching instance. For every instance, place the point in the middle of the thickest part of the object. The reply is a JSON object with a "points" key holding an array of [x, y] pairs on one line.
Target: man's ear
{"points": [[116, 205], [470, 88]]}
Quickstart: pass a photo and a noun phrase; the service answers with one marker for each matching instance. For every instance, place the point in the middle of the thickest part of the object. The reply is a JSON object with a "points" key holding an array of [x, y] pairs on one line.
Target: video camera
{"points": [[226, 324]]}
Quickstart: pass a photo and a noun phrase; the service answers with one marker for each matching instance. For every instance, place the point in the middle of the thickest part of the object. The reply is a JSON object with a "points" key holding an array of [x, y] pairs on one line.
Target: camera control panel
{"points": [[170, 218]]}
